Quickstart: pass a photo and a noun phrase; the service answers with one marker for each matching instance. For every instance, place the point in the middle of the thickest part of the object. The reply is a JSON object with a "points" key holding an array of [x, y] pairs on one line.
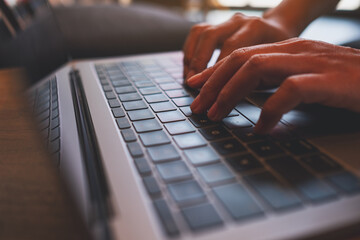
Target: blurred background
{"points": [[213, 11], [31, 37]]}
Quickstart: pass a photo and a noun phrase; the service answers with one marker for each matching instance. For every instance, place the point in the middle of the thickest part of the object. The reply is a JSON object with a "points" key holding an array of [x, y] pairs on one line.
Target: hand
{"points": [[239, 31], [307, 72]]}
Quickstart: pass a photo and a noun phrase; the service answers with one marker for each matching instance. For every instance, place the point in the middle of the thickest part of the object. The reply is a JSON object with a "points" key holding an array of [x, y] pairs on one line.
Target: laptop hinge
{"points": [[99, 193]]}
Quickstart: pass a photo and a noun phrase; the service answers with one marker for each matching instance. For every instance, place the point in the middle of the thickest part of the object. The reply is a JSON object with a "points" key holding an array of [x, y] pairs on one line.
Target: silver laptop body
{"points": [[222, 182]]}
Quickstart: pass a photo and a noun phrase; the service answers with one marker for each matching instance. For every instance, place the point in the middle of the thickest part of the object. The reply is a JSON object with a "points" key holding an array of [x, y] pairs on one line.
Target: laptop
{"points": [[140, 165]]}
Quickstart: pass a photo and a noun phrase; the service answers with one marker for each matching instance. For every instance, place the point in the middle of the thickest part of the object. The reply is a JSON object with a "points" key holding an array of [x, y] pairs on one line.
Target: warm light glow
{"points": [[343, 5]]}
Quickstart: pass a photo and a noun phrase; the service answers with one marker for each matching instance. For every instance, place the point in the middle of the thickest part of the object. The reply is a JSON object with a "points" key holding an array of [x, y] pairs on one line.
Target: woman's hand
{"points": [[307, 72], [239, 31]]}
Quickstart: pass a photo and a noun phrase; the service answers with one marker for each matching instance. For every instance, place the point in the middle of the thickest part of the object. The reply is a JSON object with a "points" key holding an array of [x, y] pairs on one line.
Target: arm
{"points": [[296, 15]]}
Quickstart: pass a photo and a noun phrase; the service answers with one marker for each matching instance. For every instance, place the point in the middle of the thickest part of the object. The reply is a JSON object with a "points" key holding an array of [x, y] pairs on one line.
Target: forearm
{"points": [[296, 15]]}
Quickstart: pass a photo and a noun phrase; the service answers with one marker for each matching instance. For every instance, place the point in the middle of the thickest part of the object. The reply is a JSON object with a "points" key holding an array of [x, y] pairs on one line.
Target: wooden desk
{"points": [[34, 203]]}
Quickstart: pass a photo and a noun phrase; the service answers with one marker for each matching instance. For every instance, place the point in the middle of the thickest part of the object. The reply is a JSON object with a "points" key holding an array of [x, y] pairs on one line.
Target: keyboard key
{"points": [[170, 86], [42, 108], [171, 116], [162, 107], [166, 218], [173, 171], [242, 163], [233, 113], [201, 121], [54, 146], [237, 201], [247, 135], [55, 122], [155, 98], [163, 153], [127, 89], [321, 163], [186, 111], [118, 112], [179, 127], [249, 111], [298, 147], [177, 93], [265, 149], [229, 146], [128, 135], [43, 115], [154, 138], [151, 186], [147, 126], [236, 122], [184, 101], [188, 192], [143, 84], [114, 103], [346, 181], [110, 95], [122, 123], [201, 156], [44, 124], [311, 187], [278, 195], [215, 173], [135, 149], [189, 140], [163, 80], [126, 97], [149, 90], [54, 133], [134, 105], [55, 113], [120, 83], [215, 133], [201, 216], [142, 114]]}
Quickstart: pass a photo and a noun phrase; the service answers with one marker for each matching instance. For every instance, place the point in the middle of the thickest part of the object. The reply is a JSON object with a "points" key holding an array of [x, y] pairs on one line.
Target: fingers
{"points": [[198, 80], [294, 90], [241, 56], [222, 72], [203, 40], [255, 72], [246, 36], [190, 44]]}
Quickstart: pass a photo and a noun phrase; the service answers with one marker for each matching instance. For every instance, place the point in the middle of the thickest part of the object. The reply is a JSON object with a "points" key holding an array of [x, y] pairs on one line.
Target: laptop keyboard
{"points": [[46, 110], [201, 174]]}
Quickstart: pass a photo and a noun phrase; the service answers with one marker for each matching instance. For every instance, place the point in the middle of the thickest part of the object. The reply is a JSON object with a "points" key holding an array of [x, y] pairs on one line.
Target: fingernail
{"points": [[195, 105], [190, 74], [213, 112], [192, 80]]}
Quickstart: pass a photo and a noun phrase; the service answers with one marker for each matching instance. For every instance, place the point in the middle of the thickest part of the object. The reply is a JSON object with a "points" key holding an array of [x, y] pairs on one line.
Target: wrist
{"points": [[284, 22]]}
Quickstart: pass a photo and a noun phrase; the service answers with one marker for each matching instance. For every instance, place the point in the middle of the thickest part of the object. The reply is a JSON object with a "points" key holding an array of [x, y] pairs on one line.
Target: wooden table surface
{"points": [[34, 203]]}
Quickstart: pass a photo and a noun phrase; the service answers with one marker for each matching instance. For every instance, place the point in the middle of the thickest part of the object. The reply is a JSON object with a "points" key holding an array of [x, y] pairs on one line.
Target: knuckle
{"points": [[256, 60], [208, 33], [237, 54], [256, 22], [238, 16], [198, 27]]}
